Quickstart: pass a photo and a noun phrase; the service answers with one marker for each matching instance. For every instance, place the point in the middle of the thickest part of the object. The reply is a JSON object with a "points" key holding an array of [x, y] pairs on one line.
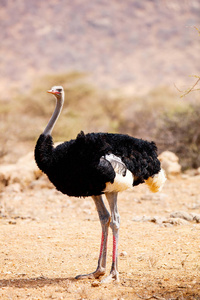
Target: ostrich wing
{"points": [[117, 164]]}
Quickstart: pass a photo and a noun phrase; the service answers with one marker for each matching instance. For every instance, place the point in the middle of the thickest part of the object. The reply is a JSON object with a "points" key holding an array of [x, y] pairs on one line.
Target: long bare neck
{"points": [[55, 115]]}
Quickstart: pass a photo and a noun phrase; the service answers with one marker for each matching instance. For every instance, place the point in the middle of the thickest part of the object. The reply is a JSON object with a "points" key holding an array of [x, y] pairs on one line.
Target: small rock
{"points": [[23, 172], [182, 215], [95, 283], [196, 218], [158, 220], [123, 253], [137, 219], [176, 221], [170, 164], [12, 222], [167, 225], [141, 218]]}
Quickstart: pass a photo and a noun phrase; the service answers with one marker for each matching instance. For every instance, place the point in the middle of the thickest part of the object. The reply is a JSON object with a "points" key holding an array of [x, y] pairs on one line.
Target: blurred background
{"points": [[124, 66]]}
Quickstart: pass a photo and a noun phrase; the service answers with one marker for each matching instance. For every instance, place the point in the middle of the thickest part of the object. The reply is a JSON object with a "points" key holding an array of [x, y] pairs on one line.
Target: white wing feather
{"points": [[123, 179]]}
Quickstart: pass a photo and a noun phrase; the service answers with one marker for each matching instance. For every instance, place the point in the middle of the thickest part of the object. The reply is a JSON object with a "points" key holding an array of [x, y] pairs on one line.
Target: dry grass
{"points": [[159, 115]]}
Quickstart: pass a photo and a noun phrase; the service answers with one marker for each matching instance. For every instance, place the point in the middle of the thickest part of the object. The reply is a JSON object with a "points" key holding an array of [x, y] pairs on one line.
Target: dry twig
{"points": [[192, 89]]}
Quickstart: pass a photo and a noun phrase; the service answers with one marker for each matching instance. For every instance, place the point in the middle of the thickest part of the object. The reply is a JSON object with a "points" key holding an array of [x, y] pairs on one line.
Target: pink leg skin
{"points": [[105, 221], [114, 249], [114, 224], [101, 248]]}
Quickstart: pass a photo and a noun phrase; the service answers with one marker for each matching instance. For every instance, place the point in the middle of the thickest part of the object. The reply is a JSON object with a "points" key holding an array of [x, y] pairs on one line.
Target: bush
{"points": [[180, 133], [172, 123]]}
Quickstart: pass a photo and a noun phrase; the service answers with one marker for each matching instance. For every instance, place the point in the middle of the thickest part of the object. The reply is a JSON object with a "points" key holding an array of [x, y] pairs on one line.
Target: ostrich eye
{"points": [[59, 90]]}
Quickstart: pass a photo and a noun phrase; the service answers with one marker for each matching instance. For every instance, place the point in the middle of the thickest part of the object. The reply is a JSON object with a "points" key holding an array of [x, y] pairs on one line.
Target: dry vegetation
{"points": [[159, 115]]}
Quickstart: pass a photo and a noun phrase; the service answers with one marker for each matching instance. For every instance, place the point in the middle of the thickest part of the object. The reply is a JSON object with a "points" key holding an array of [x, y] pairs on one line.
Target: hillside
{"points": [[130, 44]]}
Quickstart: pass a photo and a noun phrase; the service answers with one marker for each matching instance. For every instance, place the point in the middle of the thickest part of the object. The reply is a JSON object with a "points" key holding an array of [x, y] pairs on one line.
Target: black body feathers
{"points": [[76, 167]]}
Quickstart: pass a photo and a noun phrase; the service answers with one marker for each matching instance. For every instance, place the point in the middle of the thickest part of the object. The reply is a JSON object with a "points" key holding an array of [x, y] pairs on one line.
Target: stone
{"points": [[123, 253], [23, 172], [95, 283], [182, 215], [176, 221], [170, 163], [196, 217]]}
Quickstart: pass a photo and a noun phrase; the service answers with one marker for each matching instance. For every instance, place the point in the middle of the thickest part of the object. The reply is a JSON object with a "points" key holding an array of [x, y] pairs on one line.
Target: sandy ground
{"points": [[46, 239]]}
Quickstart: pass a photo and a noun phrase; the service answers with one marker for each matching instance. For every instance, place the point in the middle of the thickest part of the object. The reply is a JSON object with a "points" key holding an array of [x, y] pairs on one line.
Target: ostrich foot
{"points": [[114, 276], [96, 274]]}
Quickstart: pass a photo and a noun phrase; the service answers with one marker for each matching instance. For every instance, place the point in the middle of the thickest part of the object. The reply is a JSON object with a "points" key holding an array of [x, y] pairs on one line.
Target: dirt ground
{"points": [[46, 239]]}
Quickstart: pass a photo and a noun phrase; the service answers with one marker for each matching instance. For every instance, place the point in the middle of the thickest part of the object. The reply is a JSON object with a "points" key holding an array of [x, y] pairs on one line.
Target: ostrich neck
{"points": [[54, 117]]}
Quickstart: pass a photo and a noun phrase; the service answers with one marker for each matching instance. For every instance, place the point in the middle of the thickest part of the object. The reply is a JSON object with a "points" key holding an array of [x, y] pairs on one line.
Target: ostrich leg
{"points": [[114, 224], [104, 217]]}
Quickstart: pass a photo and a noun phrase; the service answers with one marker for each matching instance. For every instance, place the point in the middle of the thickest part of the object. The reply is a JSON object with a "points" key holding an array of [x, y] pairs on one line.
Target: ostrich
{"points": [[94, 164]]}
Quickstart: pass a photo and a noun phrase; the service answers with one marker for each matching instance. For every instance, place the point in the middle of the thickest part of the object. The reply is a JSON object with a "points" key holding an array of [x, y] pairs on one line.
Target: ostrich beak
{"points": [[53, 92], [50, 91]]}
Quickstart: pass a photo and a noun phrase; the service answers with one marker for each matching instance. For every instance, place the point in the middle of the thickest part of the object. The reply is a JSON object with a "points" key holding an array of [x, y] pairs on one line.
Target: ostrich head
{"points": [[57, 91]]}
